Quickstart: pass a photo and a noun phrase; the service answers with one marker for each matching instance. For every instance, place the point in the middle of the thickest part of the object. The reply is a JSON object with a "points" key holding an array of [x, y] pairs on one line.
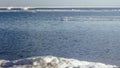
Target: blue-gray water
{"points": [[87, 36]]}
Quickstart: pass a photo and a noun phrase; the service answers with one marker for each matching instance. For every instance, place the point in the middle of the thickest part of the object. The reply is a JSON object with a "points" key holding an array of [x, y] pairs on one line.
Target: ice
{"points": [[63, 9], [52, 62]]}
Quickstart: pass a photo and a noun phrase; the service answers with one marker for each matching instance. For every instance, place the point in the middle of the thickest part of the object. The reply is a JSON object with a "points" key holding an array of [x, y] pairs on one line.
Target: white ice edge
{"points": [[52, 62], [57, 10]]}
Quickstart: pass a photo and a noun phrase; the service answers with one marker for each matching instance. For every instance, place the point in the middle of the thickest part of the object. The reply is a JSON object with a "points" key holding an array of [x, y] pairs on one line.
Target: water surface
{"points": [[87, 36]]}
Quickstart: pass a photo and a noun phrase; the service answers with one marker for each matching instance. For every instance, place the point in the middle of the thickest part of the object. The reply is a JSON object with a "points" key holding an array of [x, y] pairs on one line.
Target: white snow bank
{"points": [[51, 62]]}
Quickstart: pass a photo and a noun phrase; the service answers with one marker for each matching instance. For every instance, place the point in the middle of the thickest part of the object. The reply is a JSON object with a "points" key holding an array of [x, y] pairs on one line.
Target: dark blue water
{"points": [[87, 36]]}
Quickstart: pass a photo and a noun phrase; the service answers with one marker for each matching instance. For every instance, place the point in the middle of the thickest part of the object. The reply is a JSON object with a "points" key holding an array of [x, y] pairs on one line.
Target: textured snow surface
{"points": [[51, 62]]}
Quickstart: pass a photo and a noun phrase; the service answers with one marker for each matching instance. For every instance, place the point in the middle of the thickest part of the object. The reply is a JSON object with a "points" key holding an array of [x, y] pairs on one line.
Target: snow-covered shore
{"points": [[51, 62]]}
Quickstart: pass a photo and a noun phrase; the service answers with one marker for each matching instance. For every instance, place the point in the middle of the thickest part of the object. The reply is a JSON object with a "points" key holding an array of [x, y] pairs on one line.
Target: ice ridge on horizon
{"points": [[60, 9]]}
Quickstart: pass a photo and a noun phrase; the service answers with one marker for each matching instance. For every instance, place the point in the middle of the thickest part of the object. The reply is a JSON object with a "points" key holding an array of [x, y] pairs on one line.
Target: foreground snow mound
{"points": [[51, 62]]}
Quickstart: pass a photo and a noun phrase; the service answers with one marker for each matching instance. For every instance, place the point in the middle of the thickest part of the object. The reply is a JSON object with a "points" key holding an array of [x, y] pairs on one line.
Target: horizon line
{"points": [[59, 6]]}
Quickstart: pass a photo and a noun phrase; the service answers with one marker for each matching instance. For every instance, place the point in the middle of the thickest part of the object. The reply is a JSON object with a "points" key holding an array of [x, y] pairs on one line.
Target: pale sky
{"points": [[59, 3]]}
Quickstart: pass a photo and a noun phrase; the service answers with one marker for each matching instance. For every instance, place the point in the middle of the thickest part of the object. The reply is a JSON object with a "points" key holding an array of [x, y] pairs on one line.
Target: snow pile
{"points": [[51, 62]]}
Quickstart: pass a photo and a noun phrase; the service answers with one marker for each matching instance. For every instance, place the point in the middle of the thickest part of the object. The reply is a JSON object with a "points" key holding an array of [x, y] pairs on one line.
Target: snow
{"points": [[52, 62]]}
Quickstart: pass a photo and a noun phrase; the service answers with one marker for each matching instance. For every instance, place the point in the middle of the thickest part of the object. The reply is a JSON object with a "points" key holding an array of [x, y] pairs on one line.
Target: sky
{"points": [[61, 3]]}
